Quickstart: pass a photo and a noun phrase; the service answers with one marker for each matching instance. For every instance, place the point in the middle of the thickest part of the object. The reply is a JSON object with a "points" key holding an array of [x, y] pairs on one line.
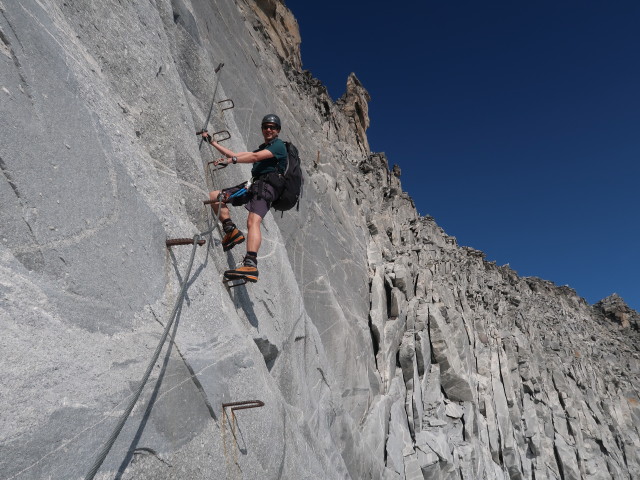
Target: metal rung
{"points": [[228, 100], [229, 283], [172, 242], [213, 135], [243, 405]]}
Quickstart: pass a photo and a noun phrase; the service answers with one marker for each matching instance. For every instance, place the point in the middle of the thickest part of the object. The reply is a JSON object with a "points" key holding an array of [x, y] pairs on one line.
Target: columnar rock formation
{"points": [[380, 347], [355, 105]]}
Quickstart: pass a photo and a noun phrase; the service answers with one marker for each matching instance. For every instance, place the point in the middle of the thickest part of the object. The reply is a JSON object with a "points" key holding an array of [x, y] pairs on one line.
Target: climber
{"points": [[270, 160]]}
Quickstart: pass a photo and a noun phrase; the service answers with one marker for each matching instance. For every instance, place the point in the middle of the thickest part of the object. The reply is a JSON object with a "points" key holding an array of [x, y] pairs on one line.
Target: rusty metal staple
{"points": [[243, 405], [171, 242]]}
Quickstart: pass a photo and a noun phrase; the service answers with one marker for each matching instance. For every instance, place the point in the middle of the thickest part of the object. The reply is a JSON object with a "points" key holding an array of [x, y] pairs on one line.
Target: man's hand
{"points": [[222, 161], [205, 136]]}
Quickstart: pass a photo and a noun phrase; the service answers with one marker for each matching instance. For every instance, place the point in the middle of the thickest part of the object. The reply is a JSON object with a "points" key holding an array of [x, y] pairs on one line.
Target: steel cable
{"points": [[102, 455], [213, 100], [112, 438]]}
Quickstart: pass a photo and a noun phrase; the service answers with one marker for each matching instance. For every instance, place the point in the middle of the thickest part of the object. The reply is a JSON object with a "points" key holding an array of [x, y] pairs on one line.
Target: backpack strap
{"points": [[284, 172]]}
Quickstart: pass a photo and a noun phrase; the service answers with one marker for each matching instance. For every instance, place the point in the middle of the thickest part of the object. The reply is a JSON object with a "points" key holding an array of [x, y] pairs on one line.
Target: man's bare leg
{"points": [[254, 235], [249, 269], [224, 210], [232, 236]]}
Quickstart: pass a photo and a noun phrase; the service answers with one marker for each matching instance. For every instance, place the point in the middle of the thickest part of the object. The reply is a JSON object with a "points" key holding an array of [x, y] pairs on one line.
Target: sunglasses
{"points": [[270, 127]]}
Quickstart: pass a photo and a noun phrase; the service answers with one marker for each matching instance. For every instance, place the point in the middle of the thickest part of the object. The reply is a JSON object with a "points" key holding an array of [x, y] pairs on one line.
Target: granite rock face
{"points": [[380, 347], [615, 309], [355, 106]]}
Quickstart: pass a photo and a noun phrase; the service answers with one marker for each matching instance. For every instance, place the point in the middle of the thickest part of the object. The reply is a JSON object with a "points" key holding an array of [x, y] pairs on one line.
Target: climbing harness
{"points": [[239, 193], [230, 282], [243, 190]]}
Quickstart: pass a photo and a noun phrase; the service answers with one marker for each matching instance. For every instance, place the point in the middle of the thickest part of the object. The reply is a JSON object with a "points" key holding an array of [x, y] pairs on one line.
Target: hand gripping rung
{"points": [[216, 167]]}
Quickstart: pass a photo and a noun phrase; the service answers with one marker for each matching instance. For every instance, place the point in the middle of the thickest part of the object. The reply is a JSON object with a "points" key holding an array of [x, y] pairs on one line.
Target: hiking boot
{"points": [[231, 239], [248, 271]]}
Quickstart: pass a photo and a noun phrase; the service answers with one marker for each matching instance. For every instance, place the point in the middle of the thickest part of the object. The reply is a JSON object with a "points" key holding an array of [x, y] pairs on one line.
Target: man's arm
{"points": [[252, 157], [225, 151], [245, 157]]}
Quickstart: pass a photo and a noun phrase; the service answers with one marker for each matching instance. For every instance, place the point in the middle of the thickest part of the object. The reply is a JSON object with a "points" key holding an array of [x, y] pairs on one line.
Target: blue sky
{"points": [[516, 125]]}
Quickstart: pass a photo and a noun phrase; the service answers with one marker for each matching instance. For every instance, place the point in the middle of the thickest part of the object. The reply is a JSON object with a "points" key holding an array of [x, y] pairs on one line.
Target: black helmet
{"points": [[271, 118]]}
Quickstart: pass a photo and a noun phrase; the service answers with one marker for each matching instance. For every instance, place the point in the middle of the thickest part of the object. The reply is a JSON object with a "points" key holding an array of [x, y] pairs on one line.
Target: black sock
{"points": [[253, 256], [228, 225]]}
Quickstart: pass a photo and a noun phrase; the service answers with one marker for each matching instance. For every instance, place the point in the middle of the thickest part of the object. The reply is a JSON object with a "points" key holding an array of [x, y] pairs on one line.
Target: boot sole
{"points": [[240, 276], [233, 243]]}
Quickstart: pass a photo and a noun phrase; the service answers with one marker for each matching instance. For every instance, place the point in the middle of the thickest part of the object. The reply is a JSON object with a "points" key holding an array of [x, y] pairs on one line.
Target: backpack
{"points": [[293, 182]]}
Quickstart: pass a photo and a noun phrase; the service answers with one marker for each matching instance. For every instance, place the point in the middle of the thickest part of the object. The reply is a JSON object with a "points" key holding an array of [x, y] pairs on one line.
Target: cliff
{"points": [[380, 348]]}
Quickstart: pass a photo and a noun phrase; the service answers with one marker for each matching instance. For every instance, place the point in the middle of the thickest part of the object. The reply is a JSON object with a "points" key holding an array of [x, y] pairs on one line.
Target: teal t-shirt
{"points": [[276, 163]]}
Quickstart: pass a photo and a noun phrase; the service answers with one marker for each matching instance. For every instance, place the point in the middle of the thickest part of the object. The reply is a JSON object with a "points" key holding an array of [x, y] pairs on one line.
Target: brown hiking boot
{"points": [[248, 271], [231, 239]]}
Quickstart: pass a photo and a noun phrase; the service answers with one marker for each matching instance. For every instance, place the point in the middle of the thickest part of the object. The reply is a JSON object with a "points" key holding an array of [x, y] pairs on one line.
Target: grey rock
{"points": [[355, 105], [615, 309], [399, 442], [454, 411], [380, 347], [455, 380]]}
